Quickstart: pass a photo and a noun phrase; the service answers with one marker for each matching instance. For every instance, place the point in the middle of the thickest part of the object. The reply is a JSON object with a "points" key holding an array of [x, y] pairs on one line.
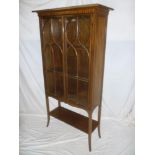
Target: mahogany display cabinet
{"points": [[73, 41]]}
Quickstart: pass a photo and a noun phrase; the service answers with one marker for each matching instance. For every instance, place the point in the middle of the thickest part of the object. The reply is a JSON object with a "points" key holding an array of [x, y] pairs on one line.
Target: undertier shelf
{"points": [[72, 118]]}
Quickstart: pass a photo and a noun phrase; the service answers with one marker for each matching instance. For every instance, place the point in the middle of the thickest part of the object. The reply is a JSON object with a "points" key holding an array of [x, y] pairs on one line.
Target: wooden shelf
{"points": [[74, 119], [56, 70], [60, 71], [77, 78]]}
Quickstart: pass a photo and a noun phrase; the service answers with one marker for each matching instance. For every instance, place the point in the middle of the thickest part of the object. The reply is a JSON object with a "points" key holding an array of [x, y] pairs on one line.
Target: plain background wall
{"points": [[118, 90]]}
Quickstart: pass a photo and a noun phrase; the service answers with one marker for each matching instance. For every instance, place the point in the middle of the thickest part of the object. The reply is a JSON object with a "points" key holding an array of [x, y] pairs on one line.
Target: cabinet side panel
{"points": [[98, 59]]}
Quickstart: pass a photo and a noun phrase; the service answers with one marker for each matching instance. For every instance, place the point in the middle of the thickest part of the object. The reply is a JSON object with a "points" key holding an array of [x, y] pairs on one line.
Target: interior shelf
{"points": [[60, 71], [72, 118], [78, 78]]}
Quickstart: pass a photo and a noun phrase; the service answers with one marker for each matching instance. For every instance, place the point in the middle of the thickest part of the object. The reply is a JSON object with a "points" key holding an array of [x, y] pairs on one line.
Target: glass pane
{"points": [[56, 43], [59, 85], [71, 61], [71, 53], [48, 57], [55, 84], [46, 32], [84, 30], [83, 92], [57, 30], [47, 54], [83, 38], [57, 59], [70, 24], [50, 78], [83, 64], [72, 89], [52, 38]]}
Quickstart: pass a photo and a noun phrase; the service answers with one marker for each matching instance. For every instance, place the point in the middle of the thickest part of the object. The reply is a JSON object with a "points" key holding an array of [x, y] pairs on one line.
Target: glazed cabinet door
{"points": [[53, 56], [77, 51]]}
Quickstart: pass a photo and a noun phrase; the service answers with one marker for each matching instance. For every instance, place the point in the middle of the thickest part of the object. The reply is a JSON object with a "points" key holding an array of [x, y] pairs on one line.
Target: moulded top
{"points": [[74, 7]]}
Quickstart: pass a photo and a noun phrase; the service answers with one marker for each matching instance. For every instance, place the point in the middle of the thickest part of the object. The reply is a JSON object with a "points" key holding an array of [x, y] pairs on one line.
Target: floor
{"points": [[62, 139]]}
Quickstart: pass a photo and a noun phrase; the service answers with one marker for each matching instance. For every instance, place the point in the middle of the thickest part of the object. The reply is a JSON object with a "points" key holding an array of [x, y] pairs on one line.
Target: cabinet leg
{"points": [[48, 120], [48, 110], [89, 129], [59, 103], [99, 121]]}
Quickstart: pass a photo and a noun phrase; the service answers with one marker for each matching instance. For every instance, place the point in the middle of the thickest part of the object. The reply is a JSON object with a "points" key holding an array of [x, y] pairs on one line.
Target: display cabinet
{"points": [[73, 41]]}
